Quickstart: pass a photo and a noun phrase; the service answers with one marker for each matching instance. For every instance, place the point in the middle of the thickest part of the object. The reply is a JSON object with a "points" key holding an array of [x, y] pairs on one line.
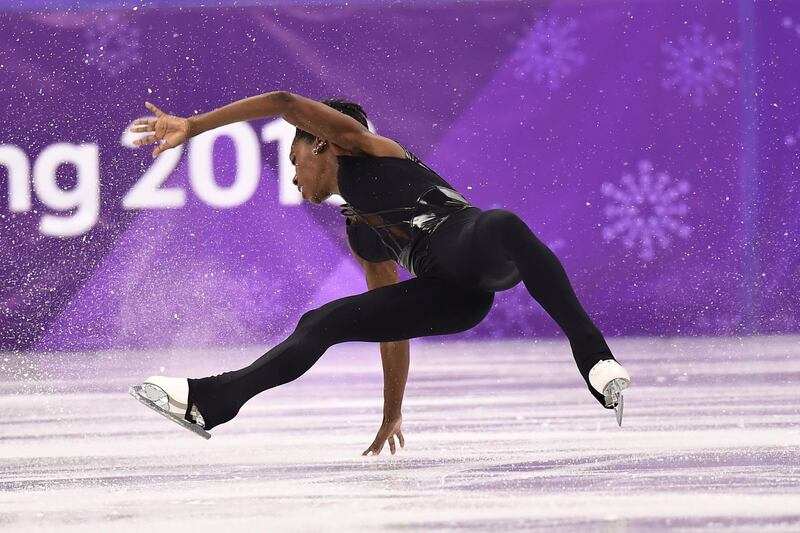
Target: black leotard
{"points": [[394, 204]]}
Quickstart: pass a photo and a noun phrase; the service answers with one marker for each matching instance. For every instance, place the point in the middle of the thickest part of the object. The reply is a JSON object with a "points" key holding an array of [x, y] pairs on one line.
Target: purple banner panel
{"points": [[653, 146]]}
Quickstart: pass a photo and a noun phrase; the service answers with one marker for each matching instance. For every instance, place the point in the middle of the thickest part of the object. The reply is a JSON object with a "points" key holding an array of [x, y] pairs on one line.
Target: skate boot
{"points": [[609, 378], [169, 397]]}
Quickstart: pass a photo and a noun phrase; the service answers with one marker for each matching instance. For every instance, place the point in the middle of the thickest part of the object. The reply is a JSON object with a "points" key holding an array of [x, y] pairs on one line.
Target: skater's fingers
{"points": [[143, 128], [154, 109], [143, 124], [401, 439], [375, 448], [145, 140], [391, 444]]}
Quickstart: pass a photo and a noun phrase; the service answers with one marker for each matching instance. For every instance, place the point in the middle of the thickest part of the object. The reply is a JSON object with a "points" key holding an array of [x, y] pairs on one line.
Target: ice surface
{"points": [[499, 435]]}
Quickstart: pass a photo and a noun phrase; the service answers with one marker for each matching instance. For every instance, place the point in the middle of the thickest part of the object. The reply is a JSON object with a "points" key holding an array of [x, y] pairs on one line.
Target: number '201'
{"points": [[81, 203]]}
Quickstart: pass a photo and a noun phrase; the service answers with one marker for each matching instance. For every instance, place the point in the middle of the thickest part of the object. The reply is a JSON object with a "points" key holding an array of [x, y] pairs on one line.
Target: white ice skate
{"points": [[609, 378], [169, 397]]}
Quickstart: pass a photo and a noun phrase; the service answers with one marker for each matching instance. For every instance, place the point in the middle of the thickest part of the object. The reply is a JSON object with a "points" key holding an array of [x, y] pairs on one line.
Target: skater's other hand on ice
{"points": [[389, 428], [169, 129]]}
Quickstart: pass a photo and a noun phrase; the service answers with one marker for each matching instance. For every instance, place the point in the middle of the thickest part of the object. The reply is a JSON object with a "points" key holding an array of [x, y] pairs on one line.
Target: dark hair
{"points": [[350, 109]]}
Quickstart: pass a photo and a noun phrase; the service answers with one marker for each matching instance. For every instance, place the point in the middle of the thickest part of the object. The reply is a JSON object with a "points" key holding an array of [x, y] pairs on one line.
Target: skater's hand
{"points": [[389, 428], [170, 129]]}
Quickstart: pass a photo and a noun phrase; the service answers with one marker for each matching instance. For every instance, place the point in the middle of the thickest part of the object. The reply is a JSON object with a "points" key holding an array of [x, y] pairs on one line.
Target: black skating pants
{"points": [[471, 255]]}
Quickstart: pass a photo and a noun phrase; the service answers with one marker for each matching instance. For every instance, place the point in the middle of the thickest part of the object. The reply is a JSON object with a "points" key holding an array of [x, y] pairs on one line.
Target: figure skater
{"points": [[398, 211]]}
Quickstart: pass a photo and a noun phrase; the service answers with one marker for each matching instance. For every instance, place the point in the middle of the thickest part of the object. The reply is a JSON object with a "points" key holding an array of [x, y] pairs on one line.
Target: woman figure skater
{"points": [[398, 211]]}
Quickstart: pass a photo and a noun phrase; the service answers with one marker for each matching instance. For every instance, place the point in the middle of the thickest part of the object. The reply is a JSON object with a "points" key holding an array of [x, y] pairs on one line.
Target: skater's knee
{"points": [[318, 324], [308, 318], [502, 221], [502, 233], [502, 217], [310, 322]]}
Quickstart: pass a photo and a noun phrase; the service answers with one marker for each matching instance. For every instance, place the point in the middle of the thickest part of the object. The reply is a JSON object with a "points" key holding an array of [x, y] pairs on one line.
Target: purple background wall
{"points": [[654, 146]]}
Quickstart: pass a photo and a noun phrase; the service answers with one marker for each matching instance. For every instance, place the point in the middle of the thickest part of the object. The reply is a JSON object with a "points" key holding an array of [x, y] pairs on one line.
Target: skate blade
{"points": [[613, 394], [138, 392], [618, 409]]}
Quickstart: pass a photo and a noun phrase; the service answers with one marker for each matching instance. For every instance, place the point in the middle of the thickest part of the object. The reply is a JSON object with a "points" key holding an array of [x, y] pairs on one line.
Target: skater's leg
{"points": [[417, 307], [505, 242]]}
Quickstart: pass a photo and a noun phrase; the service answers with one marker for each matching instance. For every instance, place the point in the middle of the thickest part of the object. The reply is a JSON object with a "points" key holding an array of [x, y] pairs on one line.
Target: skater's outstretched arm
{"points": [[309, 115], [395, 360], [394, 355]]}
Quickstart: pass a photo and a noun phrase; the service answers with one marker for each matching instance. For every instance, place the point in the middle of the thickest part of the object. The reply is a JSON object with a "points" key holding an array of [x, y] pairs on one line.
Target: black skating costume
{"points": [[398, 208]]}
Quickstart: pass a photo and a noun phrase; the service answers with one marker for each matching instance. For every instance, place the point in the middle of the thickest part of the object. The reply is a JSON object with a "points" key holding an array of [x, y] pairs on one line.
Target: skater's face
{"points": [[315, 173]]}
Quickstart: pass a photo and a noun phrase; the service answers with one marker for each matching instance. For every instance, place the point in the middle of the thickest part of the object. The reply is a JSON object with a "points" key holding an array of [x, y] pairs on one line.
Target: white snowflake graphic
{"points": [[549, 52], [112, 44], [645, 210], [696, 65]]}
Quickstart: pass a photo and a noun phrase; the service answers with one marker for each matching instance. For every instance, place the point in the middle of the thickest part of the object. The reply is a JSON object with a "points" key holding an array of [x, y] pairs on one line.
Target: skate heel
{"points": [[610, 379], [154, 393]]}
